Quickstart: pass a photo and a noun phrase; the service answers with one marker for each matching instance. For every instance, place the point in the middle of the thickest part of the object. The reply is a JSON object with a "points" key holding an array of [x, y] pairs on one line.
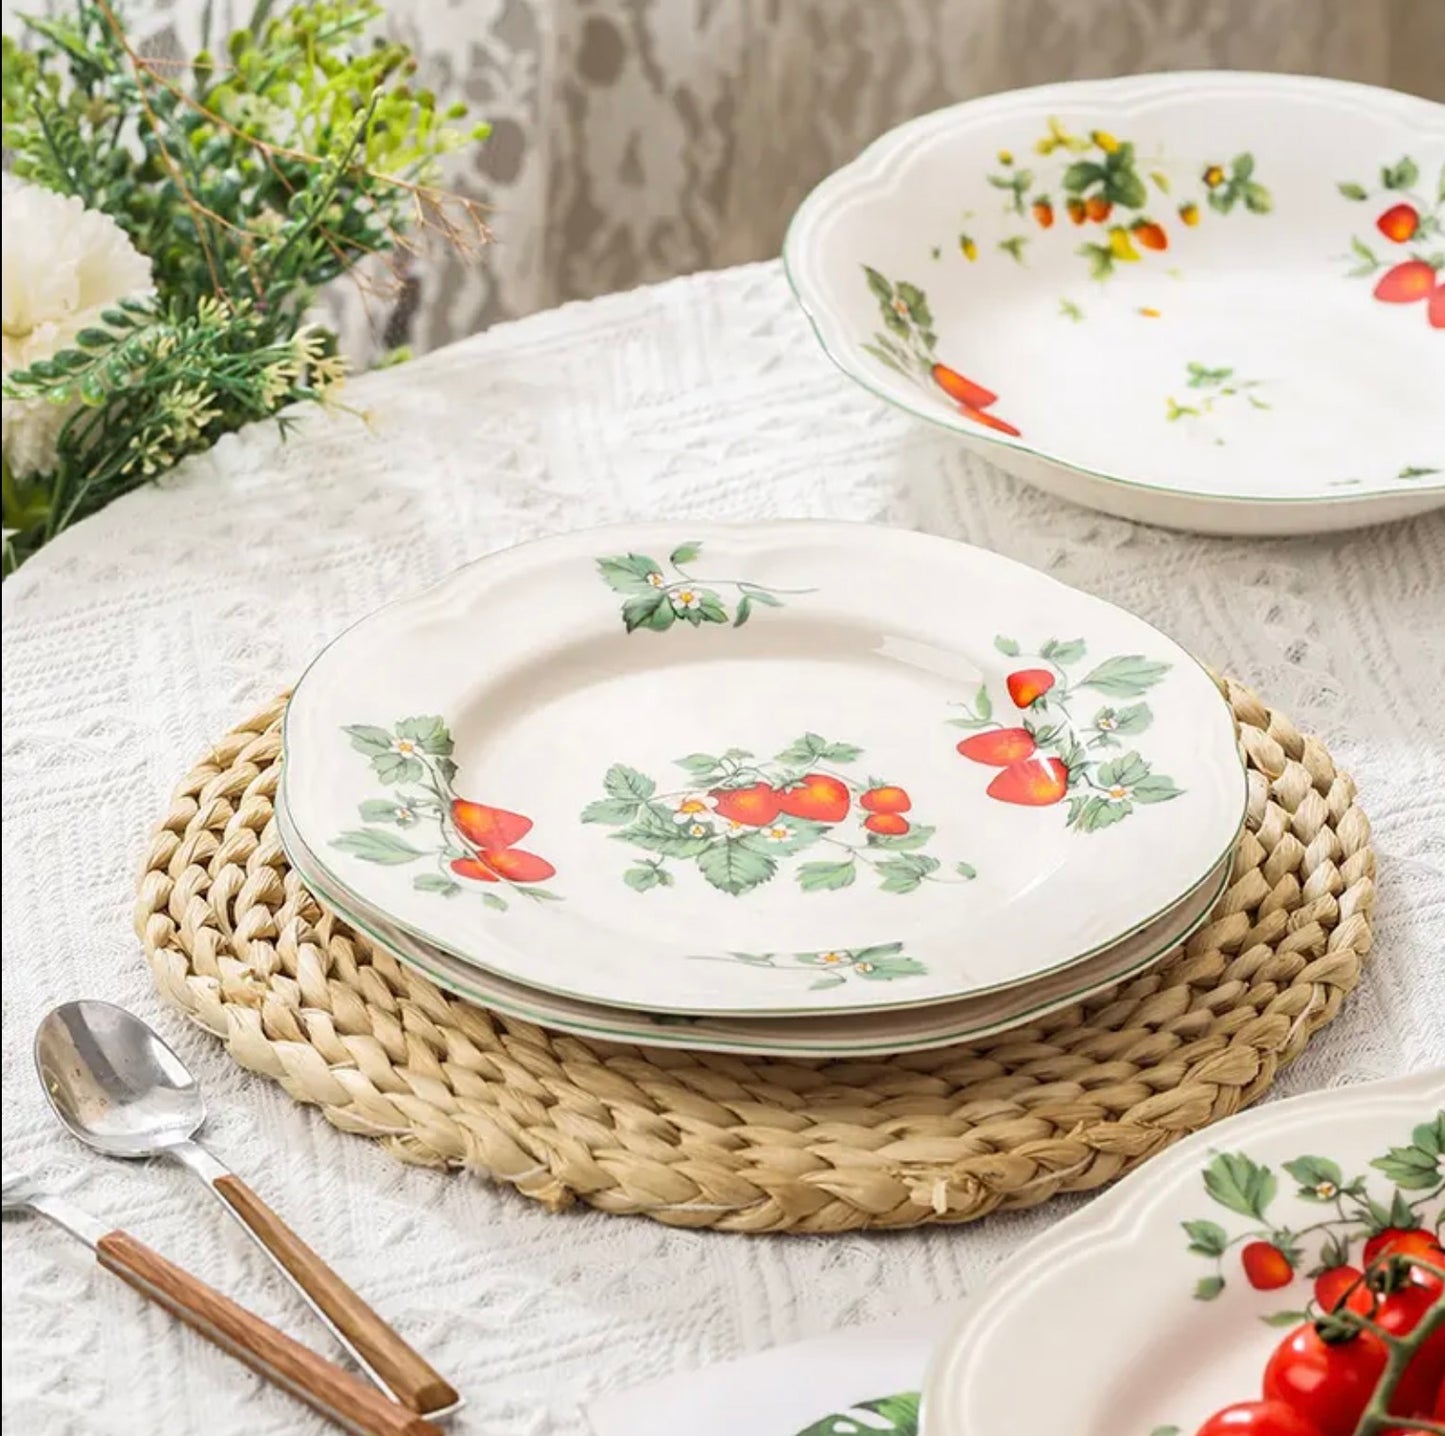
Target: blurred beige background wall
{"points": [[638, 139]]}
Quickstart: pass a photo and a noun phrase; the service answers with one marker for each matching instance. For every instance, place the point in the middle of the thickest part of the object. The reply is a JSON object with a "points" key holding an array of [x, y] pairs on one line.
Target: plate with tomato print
{"points": [[761, 769], [1280, 1274], [1208, 301]]}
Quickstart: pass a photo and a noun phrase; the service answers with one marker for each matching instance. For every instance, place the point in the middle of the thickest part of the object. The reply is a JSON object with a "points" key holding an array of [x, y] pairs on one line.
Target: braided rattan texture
{"points": [[1064, 1104]]}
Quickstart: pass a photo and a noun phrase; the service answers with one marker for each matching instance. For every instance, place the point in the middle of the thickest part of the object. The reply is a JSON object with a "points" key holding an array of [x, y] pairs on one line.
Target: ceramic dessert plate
{"points": [[761, 769], [858, 1034], [1212, 301], [1160, 1303]]}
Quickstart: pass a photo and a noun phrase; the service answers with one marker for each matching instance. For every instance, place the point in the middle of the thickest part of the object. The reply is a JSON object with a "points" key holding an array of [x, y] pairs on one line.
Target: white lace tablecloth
{"points": [[145, 632]]}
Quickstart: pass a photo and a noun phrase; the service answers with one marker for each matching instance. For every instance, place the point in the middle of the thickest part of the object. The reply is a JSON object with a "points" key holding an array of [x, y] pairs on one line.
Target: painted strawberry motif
{"points": [[887, 799], [989, 421], [1028, 685], [754, 806], [1098, 208], [1189, 213], [1033, 783], [1399, 222], [1406, 283], [817, 796], [1078, 211], [892, 825], [1436, 311], [1266, 1268], [1043, 213], [1150, 234], [510, 863], [486, 827], [964, 391], [999, 747]]}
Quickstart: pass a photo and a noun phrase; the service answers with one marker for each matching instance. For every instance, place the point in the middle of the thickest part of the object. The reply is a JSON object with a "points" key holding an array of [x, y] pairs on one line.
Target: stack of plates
{"points": [[799, 789]]}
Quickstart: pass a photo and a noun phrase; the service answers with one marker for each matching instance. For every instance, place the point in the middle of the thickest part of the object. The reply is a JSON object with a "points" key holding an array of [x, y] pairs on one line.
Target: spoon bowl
{"points": [[113, 1082]]}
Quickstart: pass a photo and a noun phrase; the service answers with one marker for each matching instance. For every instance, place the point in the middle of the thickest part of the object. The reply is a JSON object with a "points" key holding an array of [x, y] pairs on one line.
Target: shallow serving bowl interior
{"points": [[1209, 300]]}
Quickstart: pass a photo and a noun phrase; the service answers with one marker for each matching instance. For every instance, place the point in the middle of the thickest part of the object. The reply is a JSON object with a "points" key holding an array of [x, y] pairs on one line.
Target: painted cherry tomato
{"points": [[1343, 1285], [1399, 1314], [1330, 1382], [1258, 1418]]}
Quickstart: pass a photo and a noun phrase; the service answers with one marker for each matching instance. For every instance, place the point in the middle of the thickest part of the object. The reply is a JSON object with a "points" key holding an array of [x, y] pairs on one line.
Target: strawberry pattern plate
{"points": [[762, 769], [1209, 301]]}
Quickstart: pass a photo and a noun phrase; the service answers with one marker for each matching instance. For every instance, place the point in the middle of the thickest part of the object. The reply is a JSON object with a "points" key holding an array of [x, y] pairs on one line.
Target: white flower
{"points": [[778, 833], [62, 264], [693, 808], [686, 598]]}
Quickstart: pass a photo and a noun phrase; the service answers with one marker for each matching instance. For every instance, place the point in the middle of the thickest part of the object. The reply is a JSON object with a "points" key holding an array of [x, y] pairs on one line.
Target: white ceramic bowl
{"points": [[1208, 301]]}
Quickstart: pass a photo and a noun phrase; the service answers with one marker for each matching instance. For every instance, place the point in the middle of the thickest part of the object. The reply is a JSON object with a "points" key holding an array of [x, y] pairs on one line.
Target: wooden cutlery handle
{"points": [[321, 1384], [408, 1374]]}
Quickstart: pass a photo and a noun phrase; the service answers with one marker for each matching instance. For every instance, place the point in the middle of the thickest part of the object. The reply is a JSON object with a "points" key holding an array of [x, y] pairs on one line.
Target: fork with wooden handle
{"points": [[321, 1384]]}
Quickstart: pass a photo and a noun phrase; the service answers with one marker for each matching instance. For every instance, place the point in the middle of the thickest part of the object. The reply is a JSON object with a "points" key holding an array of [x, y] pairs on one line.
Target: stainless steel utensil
{"points": [[117, 1087], [321, 1384]]}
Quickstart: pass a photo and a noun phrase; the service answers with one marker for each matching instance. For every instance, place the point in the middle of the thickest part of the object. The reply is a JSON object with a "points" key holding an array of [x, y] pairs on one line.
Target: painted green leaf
{"points": [[376, 845], [670, 842], [1312, 1173], [447, 769], [1165, 1431], [396, 768], [883, 357], [1156, 788], [1127, 676], [833, 979], [623, 782], [610, 810], [880, 286], [1351, 190], [1242, 166], [823, 877], [1088, 815], [904, 873], [1133, 719], [1402, 175], [1065, 653], [1206, 1238], [761, 595], [647, 875], [916, 303], [429, 734], [711, 607], [630, 573], [684, 553], [1419, 1165], [732, 868], [1007, 646], [1257, 199], [382, 810], [802, 751], [700, 765], [887, 969], [745, 611], [876, 950], [982, 703], [368, 739], [884, 1416], [1208, 1287], [966, 870], [1285, 1318], [436, 883], [1014, 246], [1081, 174], [651, 609], [1239, 1184], [1125, 770], [1126, 188], [841, 753]]}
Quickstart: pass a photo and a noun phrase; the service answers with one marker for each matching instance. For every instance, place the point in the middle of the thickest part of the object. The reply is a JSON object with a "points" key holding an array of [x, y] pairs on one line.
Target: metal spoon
{"points": [[117, 1087], [321, 1384]]}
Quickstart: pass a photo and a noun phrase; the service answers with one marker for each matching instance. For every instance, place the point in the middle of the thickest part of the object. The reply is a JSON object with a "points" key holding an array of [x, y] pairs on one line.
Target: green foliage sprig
{"points": [[249, 182]]}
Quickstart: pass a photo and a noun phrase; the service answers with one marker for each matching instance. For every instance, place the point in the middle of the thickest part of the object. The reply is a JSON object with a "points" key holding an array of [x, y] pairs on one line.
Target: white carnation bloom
{"points": [[62, 265]]}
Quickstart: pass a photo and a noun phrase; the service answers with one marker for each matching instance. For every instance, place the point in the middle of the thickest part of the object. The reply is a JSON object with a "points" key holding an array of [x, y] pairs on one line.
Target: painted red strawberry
{"points": [[1043, 213], [989, 421], [999, 746], [519, 867], [473, 868], [1150, 234], [1098, 208], [887, 799], [965, 391], [486, 827], [1028, 685], [1076, 210], [1406, 283], [892, 825], [1033, 783], [1266, 1268], [1436, 312], [818, 796], [1399, 222], [755, 806]]}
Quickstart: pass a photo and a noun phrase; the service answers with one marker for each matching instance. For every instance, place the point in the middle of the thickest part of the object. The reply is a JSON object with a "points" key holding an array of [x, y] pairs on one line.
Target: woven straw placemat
{"points": [[1065, 1104]]}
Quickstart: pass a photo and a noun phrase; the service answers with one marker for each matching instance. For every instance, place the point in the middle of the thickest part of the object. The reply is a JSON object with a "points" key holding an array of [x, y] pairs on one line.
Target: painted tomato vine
{"points": [[1045, 754], [465, 843], [881, 962], [739, 820]]}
